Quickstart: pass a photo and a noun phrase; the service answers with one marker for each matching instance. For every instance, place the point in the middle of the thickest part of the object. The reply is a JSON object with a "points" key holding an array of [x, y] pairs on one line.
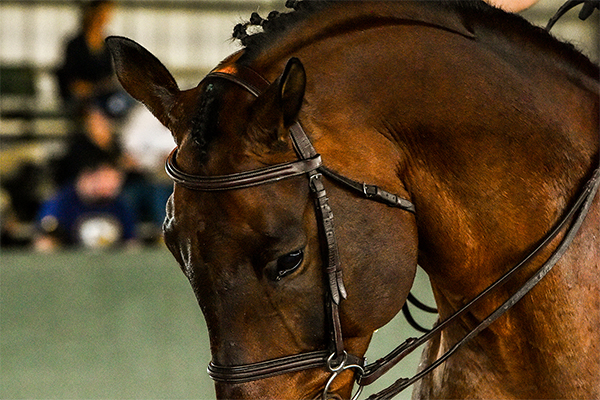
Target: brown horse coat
{"points": [[487, 124]]}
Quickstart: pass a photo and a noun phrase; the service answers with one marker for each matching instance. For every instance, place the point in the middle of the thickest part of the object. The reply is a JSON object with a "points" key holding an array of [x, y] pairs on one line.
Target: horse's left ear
{"points": [[277, 108], [292, 84]]}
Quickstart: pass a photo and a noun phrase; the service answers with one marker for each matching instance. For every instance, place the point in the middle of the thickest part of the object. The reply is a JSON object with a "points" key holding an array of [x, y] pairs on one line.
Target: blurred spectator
{"points": [[146, 187], [95, 135], [147, 143], [90, 212], [24, 188], [87, 70], [9, 223]]}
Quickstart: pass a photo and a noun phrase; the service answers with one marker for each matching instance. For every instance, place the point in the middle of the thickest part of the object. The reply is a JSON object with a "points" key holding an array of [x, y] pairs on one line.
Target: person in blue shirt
{"points": [[88, 212]]}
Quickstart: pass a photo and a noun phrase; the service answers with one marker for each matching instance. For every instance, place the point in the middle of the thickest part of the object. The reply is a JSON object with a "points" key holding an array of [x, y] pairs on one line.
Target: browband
{"points": [[240, 180]]}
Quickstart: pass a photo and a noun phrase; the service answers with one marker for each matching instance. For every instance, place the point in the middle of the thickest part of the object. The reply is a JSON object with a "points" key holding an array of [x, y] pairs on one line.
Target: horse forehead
{"points": [[215, 110], [239, 214], [268, 210]]}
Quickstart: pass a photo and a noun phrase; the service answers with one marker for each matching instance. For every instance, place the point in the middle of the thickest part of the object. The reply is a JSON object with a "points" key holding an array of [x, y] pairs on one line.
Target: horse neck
{"points": [[488, 181], [546, 346], [488, 184], [336, 18], [494, 179]]}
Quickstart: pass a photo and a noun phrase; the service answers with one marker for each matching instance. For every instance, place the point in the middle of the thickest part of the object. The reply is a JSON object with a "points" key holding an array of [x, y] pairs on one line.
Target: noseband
{"points": [[335, 359]]}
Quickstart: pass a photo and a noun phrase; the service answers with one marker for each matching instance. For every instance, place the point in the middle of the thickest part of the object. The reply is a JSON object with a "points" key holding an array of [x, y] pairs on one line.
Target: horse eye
{"points": [[287, 264]]}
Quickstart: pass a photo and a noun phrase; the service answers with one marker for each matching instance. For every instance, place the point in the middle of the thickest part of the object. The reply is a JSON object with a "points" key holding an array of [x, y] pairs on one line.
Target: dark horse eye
{"points": [[288, 264]]}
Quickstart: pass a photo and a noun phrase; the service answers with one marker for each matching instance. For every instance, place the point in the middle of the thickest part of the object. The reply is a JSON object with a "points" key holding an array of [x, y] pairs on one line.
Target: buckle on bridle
{"points": [[337, 368], [371, 191], [316, 182], [364, 185], [332, 361]]}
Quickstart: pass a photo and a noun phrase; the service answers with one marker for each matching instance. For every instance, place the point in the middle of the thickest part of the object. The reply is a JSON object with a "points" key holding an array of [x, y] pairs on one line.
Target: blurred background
{"points": [[96, 307]]}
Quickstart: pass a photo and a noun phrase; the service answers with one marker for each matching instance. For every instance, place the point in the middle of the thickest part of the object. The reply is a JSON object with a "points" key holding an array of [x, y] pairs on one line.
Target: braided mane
{"points": [[204, 123], [268, 30], [275, 23]]}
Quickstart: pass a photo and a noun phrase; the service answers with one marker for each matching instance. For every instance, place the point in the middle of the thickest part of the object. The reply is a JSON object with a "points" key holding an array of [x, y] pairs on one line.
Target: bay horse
{"points": [[477, 136]]}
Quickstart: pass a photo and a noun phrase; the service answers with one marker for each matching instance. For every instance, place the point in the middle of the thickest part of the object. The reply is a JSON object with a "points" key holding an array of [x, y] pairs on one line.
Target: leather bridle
{"points": [[335, 359]]}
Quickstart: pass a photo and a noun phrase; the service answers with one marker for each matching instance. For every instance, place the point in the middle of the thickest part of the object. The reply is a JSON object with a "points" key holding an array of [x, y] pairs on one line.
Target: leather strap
{"points": [[421, 306], [279, 366], [375, 370], [586, 10], [240, 180], [333, 269], [305, 149], [243, 76], [267, 369], [370, 191]]}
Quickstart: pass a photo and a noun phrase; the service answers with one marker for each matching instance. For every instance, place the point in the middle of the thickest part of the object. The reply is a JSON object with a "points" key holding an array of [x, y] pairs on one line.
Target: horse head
{"points": [[254, 255]]}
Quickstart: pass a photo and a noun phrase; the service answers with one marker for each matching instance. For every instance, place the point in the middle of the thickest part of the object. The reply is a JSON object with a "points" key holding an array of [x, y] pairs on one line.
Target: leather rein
{"points": [[335, 359]]}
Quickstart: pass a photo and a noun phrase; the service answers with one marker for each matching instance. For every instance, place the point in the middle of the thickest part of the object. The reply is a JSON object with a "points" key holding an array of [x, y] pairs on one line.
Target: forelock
{"points": [[205, 122]]}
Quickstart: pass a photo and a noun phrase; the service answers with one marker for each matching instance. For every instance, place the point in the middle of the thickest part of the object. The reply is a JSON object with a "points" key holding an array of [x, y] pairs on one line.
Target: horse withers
{"points": [[475, 133]]}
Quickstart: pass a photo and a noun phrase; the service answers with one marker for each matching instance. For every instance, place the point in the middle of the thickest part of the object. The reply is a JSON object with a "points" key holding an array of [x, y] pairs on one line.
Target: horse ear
{"points": [[277, 108], [144, 77], [292, 84]]}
